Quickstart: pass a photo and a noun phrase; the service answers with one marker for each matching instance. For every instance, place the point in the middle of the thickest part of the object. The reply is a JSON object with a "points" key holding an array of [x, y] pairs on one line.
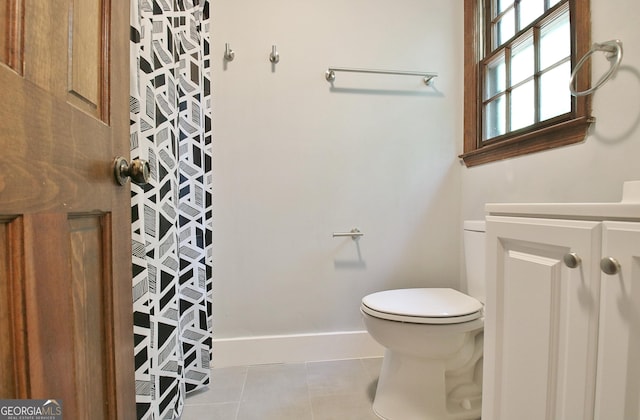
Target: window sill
{"points": [[562, 134]]}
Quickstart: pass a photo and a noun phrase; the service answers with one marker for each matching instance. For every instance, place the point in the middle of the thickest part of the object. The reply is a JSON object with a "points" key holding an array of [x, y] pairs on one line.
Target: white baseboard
{"points": [[296, 348]]}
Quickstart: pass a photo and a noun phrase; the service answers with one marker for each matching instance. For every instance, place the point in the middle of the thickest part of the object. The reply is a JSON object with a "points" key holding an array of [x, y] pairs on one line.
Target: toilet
{"points": [[432, 366]]}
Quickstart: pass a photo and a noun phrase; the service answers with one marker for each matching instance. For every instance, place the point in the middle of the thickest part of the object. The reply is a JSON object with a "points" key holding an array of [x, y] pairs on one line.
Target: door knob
{"points": [[572, 260], [139, 171], [610, 265]]}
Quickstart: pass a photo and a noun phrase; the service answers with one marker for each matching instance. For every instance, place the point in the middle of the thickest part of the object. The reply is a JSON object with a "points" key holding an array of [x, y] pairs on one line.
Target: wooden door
{"points": [[65, 272], [540, 319], [618, 377]]}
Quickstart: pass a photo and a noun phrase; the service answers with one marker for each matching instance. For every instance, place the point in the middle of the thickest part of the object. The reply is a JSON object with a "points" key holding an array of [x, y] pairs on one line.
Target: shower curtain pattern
{"points": [[171, 215]]}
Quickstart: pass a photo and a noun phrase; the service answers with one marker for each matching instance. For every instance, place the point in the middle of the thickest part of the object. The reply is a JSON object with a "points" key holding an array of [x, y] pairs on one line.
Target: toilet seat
{"points": [[422, 306]]}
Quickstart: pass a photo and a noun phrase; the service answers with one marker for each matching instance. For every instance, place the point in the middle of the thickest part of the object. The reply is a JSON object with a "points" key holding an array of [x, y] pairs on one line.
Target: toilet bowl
{"points": [[432, 367]]}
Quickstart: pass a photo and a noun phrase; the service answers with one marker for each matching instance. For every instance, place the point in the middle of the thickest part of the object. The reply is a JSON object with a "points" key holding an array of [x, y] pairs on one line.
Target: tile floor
{"points": [[336, 390]]}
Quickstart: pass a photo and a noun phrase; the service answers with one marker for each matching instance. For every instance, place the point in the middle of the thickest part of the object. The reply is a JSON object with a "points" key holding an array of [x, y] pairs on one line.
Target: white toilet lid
{"points": [[423, 306]]}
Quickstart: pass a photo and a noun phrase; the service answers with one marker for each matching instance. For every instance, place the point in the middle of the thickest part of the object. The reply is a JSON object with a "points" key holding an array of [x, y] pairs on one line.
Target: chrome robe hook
{"points": [[274, 57], [229, 54]]}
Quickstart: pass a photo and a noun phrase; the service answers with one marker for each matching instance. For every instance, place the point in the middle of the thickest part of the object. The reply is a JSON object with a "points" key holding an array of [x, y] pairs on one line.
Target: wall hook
{"points": [[274, 57], [229, 54]]}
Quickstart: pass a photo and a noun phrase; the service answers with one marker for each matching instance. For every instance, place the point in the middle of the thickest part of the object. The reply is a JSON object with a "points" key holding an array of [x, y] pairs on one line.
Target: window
{"points": [[518, 60]]}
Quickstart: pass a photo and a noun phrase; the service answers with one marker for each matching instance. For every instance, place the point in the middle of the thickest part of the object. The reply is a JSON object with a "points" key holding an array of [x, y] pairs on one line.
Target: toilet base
{"points": [[414, 388]]}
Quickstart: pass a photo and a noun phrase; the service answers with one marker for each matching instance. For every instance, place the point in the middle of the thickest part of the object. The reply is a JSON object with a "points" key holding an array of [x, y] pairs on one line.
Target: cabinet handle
{"points": [[610, 265], [572, 260]]}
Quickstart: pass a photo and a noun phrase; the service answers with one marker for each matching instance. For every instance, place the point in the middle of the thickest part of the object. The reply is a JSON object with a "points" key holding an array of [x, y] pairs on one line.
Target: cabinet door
{"points": [[541, 319], [618, 376]]}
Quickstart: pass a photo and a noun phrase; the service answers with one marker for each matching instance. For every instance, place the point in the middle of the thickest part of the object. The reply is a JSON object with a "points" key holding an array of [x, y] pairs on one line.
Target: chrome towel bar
{"points": [[330, 74], [354, 233]]}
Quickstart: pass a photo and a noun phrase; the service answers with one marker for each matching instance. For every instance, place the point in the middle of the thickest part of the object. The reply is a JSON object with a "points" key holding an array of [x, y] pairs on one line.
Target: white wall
{"points": [[296, 159], [590, 171]]}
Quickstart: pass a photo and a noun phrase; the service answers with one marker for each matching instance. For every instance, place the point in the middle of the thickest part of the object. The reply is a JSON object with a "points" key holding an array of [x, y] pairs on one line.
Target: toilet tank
{"points": [[474, 256]]}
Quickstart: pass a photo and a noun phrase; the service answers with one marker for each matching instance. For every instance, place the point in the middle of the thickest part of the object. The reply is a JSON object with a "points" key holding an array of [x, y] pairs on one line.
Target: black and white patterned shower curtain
{"points": [[171, 216]]}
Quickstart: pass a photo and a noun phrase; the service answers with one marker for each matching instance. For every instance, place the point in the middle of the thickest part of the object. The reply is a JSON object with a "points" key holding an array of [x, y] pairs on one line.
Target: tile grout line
{"points": [[306, 381], [244, 384]]}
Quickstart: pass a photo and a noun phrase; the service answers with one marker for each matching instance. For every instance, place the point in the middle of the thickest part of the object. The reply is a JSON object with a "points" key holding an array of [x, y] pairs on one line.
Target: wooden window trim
{"points": [[572, 128]]}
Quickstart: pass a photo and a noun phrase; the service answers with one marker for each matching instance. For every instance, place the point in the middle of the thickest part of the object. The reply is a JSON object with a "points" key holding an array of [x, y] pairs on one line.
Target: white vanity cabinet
{"points": [[562, 338]]}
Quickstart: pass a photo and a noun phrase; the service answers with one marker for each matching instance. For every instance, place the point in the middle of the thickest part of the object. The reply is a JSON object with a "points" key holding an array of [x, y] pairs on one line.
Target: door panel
{"points": [[85, 49], [13, 379], [541, 319], [532, 285], [7, 386], [88, 38], [11, 22], [618, 377], [49, 309], [65, 246], [91, 286]]}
